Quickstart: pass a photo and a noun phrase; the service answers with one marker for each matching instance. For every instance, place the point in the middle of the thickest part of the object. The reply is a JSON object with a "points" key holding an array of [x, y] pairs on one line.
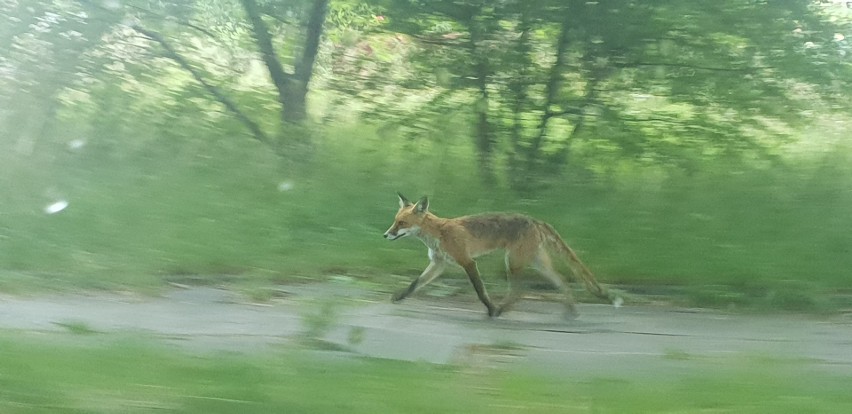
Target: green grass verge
{"points": [[223, 212], [88, 374]]}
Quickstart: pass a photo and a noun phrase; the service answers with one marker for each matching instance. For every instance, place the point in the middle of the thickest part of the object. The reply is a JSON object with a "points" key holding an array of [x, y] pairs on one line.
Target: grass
{"points": [[100, 375], [222, 213]]}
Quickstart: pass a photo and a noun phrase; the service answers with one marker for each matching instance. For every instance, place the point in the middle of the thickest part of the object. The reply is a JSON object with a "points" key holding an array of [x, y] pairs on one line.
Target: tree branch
{"points": [[173, 19], [224, 100], [304, 69], [280, 78]]}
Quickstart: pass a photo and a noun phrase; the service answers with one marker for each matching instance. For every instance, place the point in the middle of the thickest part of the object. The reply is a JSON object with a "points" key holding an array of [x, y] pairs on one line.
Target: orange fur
{"points": [[525, 240]]}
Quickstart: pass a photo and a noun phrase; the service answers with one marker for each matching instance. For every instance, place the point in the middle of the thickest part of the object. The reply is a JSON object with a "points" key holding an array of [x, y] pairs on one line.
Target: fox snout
{"points": [[395, 232], [391, 235]]}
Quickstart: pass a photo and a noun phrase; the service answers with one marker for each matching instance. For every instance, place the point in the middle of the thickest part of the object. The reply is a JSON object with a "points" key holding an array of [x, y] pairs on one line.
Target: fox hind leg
{"points": [[544, 265], [515, 264]]}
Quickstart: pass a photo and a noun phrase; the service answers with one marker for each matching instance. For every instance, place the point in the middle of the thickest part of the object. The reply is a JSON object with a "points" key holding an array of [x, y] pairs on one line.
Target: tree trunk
{"points": [[517, 177], [297, 89], [292, 88], [279, 77], [554, 82], [483, 135], [589, 97]]}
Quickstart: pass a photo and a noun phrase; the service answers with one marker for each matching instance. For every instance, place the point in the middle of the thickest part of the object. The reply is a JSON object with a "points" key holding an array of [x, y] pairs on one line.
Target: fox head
{"points": [[408, 218]]}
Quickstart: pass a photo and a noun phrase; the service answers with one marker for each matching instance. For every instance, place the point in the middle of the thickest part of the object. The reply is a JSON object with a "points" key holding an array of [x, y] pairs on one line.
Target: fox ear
{"points": [[422, 205], [403, 202]]}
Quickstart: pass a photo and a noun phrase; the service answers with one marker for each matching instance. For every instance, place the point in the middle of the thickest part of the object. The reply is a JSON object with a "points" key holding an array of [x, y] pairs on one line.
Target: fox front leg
{"points": [[435, 268], [476, 280]]}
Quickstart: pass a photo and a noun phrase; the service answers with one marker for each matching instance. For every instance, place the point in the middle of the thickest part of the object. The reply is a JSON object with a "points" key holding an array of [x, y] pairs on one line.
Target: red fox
{"points": [[461, 240]]}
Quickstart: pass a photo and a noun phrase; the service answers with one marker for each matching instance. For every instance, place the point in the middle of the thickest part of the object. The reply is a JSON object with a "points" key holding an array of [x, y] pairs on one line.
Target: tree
{"points": [[595, 82], [45, 54], [292, 87], [178, 29]]}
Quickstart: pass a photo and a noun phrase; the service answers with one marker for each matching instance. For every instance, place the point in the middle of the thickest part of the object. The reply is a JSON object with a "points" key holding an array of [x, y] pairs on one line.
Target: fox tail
{"points": [[555, 241]]}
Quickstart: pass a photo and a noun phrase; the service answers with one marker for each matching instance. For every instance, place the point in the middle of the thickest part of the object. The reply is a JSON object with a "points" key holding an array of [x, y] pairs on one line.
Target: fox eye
{"points": [[401, 223]]}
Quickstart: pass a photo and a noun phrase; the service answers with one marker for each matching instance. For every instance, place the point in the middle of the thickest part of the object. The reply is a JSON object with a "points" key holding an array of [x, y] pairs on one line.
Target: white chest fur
{"points": [[435, 251]]}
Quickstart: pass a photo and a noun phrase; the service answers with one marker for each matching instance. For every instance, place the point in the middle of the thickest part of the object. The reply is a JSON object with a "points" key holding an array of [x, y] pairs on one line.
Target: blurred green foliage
{"points": [[213, 212], [677, 143]]}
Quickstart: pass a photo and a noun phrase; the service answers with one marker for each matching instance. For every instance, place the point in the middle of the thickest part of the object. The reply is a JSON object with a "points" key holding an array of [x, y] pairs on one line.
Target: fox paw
{"points": [[398, 296]]}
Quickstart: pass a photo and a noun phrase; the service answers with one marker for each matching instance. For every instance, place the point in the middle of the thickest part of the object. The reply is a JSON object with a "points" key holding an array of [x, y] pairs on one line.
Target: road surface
{"points": [[601, 341]]}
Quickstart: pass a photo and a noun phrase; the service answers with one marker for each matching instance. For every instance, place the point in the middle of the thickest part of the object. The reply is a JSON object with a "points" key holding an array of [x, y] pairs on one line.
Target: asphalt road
{"points": [[602, 340]]}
